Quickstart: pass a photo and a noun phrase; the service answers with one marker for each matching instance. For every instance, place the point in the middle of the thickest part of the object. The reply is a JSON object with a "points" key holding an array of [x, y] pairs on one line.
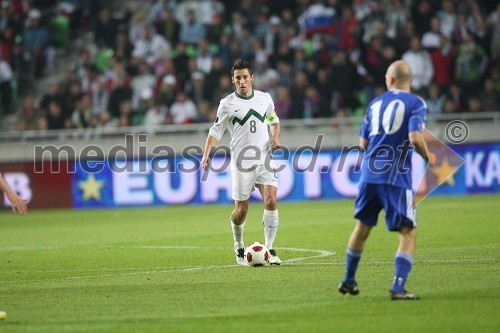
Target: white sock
{"points": [[238, 234], [270, 220]]}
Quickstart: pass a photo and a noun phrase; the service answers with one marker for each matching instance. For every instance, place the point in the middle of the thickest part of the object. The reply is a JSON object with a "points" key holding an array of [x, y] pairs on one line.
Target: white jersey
{"points": [[247, 119]]}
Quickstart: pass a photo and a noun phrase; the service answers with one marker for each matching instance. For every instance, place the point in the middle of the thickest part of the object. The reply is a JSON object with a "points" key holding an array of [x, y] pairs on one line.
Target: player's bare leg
{"points": [[403, 262], [359, 236], [238, 218], [270, 219], [355, 247]]}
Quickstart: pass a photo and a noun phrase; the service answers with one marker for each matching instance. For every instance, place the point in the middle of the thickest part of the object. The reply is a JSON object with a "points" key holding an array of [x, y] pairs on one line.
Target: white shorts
{"points": [[244, 181]]}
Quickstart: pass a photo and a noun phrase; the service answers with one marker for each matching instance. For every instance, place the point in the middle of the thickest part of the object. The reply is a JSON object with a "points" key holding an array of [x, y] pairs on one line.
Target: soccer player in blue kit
{"points": [[393, 121]]}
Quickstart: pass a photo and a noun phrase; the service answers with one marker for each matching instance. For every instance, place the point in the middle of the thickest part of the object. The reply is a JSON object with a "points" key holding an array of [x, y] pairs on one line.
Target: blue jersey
{"points": [[389, 119]]}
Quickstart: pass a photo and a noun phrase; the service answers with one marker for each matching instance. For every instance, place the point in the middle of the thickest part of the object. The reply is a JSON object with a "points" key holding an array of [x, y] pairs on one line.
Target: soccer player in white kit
{"points": [[248, 114], [18, 206]]}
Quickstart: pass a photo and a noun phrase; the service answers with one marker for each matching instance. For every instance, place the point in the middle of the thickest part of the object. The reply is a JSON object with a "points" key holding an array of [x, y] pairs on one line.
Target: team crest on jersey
{"points": [[216, 120]]}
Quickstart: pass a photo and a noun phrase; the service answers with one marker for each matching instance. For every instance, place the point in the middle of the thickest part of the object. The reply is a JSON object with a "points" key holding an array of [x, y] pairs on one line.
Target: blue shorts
{"points": [[393, 200]]}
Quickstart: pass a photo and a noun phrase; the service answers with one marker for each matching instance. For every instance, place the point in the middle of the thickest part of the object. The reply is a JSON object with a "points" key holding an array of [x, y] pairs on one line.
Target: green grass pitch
{"points": [[173, 269]]}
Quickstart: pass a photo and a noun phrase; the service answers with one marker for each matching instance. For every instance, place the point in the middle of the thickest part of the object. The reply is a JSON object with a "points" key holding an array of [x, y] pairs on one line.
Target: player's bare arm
{"points": [[18, 204], [417, 141], [275, 132], [205, 160], [363, 143]]}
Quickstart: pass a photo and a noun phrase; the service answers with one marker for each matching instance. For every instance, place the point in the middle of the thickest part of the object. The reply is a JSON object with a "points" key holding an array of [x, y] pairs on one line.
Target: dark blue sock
{"points": [[402, 267], [351, 265]]}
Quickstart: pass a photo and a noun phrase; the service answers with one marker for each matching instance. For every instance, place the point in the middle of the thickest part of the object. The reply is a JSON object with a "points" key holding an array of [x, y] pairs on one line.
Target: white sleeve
{"points": [[220, 123]]}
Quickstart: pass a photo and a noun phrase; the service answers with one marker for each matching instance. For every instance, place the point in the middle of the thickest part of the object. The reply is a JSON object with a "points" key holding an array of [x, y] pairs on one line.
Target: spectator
{"points": [[435, 101], [344, 81], [136, 27], [373, 60], [106, 121], [29, 113], [421, 66], [120, 94], [311, 103], [261, 73], [457, 97], [250, 39], [363, 8], [68, 78], [205, 112], [53, 95], [474, 104], [212, 78], [262, 27], [489, 97], [5, 87], [195, 87], [42, 124], [204, 57], [349, 29], [125, 118], [156, 115], [105, 29], [284, 54], [169, 27], [192, 31], [300, 84], [5, 18], [100, 98], [448, 18], [395, 17], [142, 81], [431, 38], [283, 102], [6, 43], [55, 117], [422, 15], [273, 35], [122, 47], [223, 88], [183, 111], [482, 35], [71, 98], [494, 25], [145, 103], [81, 116], [152, 47], [443, 59], [36, 39], [181, 60], [470, 65], [238, 21], [325, 91], [461, 29], [449, 107], [168, 90]]}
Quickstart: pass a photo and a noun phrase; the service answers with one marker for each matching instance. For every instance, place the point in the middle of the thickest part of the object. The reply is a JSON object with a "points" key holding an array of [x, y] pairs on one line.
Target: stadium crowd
{"points": [[168, 62]]}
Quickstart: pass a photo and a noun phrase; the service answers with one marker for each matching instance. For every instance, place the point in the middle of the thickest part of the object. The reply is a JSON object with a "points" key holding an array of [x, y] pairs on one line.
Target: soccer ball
{"points": [[257, 254]]}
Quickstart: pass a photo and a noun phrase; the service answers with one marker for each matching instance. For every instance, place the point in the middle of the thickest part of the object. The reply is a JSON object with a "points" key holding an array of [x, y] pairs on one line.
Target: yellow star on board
{"points": [[91, 188], [444, 173]]}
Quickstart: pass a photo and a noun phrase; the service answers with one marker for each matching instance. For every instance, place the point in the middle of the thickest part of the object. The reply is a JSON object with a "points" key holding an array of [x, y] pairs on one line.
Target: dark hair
{"points": [[241, 64]]}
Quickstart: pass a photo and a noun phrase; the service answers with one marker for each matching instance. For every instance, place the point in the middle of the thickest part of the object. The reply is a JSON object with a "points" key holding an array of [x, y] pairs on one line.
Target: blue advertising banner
{"points": [[326, 174]]}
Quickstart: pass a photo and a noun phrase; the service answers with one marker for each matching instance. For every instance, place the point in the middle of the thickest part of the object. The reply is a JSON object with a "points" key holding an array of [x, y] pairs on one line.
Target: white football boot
{"points": [[240, 256], [273, 258]]}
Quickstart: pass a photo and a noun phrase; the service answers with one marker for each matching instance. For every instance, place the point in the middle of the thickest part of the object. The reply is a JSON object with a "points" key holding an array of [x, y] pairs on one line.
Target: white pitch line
{"points": [[322, 254], [159, 270]]}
